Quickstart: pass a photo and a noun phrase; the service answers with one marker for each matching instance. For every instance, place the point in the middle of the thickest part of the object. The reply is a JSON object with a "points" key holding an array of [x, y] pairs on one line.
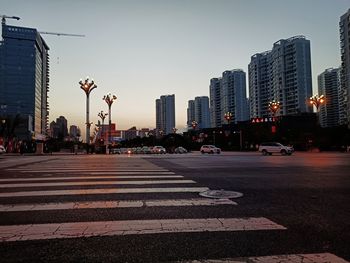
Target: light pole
{"points": [[102, 115], [87, 86], [274, 106], [194, 125], [317, 101], [228, 117], [109, 98]]}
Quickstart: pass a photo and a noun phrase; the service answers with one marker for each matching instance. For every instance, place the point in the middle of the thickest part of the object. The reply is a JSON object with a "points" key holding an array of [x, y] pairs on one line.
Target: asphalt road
{"points": [[299, 204]]}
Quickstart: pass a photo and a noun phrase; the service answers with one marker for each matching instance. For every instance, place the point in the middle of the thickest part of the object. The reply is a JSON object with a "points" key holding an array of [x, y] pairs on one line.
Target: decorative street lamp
{"points": [[274, 107], [228, 117], [194, 125], [109, 98], [317, 101], [102, 115], [87, 86]]}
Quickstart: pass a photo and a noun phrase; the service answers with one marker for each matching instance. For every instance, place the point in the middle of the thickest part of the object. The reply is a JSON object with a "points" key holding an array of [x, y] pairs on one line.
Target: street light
{"points": [[102, 115], [194, 125], [274, 107], [109, 98], [87, 86], [228, 117], [317, 101]]}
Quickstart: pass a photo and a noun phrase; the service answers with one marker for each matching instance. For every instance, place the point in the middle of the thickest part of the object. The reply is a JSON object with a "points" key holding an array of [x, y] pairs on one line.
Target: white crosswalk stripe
{"points": [[291, 258], [76, 180]]}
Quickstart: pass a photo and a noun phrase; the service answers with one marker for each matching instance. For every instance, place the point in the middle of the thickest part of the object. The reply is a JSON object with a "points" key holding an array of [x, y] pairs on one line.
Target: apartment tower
{"points": [[165, 114], [282, 74]]}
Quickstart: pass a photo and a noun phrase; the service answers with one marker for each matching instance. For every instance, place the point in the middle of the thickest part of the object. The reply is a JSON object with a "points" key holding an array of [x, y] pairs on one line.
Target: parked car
{"points": [[116, 151], [268, 148], [146, 150], [210, 149], [180, 150], [158, 149], [2, 149]]}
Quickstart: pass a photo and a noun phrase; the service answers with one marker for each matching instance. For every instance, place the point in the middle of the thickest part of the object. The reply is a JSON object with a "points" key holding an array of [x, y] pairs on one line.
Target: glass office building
{"points": [[24, 81]]}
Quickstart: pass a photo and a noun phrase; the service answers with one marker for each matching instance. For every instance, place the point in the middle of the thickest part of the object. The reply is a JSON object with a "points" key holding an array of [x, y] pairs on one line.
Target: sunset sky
{"points": [[140, 50]]}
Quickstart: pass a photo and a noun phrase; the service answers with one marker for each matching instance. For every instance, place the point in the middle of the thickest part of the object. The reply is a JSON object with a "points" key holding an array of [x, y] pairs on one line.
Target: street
{"points": [[147, 208]]}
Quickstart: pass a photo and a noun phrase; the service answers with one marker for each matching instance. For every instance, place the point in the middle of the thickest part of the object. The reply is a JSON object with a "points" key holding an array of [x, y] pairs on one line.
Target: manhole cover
{"points": [[220, 194]]}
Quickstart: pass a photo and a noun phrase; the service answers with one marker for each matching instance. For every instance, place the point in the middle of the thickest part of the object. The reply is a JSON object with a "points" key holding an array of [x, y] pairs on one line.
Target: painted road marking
{"points": [[84, 169], [17, 179], [92, 171], [115, 204], [292, 258], [143, 182], [133, 227], [106, 191]]}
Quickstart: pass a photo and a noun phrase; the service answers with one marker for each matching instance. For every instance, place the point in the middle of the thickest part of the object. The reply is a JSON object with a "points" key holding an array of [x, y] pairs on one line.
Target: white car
{"points": [[268, 148], [2, 149], [210, 149], [158, 149]]}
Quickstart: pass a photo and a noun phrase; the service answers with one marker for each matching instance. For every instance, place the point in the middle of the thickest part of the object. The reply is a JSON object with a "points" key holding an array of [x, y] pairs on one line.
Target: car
{"points": [[2, 149], [210, 149], [268, 148], [146, 150], [158, 149], [180, 150], [116, 151]]}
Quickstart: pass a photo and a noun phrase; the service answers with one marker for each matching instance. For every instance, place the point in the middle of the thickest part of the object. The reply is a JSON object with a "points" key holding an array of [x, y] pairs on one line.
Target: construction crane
{"points": [[62, 34], [3, 18]]}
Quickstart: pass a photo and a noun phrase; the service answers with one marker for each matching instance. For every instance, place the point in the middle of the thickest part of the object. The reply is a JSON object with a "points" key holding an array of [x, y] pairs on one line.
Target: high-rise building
{"points": [[24, 78], [329, 86], [344, 107], [198, 110], [165, 114], [190, 113], [282, 74], [74, 131], [260, 82], [201, 112], [215, 103], [62, 123], [228, 94], [233, 95]]}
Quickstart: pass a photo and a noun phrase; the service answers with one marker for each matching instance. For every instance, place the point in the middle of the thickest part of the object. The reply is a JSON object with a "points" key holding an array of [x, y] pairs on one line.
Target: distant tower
{"points": [[329, 85], [215, 103], [165, 114], [198, 110], [233, 95], [190, 113]]}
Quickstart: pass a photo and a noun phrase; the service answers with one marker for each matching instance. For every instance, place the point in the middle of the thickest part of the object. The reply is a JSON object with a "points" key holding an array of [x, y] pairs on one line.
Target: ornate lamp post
{"points": [[317, 101], [87, 86], [274, 106], [109, 98], [102, 115], [194, 125], [228, 117]]}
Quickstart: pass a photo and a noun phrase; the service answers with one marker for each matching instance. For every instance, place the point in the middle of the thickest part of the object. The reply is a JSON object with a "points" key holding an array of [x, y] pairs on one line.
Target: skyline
{"points": [[165, 47]]}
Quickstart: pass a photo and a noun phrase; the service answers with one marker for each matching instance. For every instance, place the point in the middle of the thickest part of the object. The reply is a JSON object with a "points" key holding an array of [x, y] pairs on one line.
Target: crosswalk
{"points": [[83, 183]]}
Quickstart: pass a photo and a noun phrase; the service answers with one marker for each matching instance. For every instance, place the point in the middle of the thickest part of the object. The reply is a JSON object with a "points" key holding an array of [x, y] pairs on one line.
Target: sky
{"points": [[140, 50]]}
